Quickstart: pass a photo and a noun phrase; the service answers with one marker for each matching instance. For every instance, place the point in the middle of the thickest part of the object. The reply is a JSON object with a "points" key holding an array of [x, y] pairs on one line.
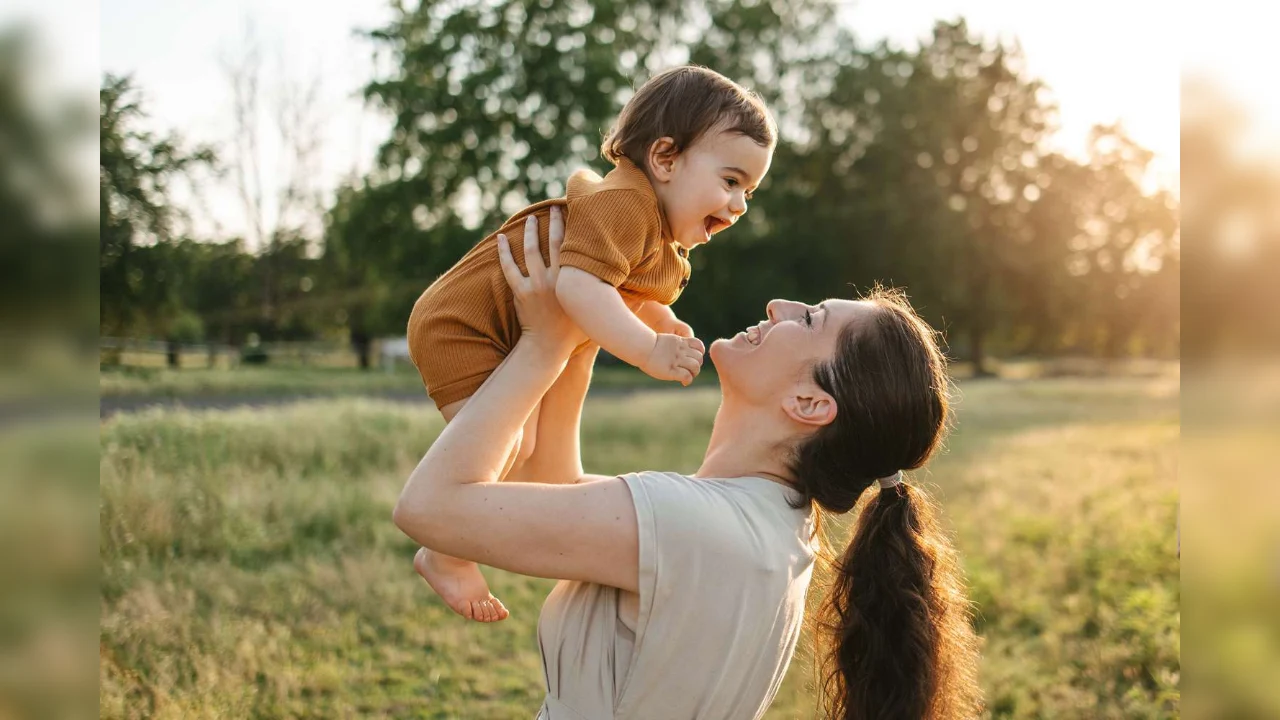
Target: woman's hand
{"points": [[541, 317]]}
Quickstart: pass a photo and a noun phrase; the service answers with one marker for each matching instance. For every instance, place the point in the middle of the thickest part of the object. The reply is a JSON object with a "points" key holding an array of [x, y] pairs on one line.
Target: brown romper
{"points": [[465, 323]]}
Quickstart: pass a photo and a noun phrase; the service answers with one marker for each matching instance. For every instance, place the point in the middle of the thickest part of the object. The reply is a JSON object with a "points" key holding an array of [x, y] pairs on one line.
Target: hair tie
{"points": [[890, 481]]}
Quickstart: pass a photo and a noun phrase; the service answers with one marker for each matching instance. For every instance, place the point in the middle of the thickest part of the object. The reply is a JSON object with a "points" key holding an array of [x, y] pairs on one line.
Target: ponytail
{"points": [[896, 618], [896, 622]]}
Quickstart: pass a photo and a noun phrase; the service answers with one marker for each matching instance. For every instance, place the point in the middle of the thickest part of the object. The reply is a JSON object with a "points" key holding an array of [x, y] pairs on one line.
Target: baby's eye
{"points": [[732, 182], [808, 317]]}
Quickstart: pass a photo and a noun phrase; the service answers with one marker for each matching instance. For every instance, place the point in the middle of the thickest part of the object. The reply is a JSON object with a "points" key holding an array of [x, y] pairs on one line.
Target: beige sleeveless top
{"points": [[724, 566]]}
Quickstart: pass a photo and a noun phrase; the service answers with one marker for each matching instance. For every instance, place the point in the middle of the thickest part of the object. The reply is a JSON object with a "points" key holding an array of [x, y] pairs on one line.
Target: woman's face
{"points": [[766, 360]]}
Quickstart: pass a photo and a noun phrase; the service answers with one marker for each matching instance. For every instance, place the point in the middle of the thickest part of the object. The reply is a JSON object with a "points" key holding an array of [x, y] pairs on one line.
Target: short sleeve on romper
{"points": [[609, 234]]}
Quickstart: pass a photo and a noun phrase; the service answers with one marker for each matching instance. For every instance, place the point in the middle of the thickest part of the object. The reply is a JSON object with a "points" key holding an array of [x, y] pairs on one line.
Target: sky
{"points": [[1104, 60]]}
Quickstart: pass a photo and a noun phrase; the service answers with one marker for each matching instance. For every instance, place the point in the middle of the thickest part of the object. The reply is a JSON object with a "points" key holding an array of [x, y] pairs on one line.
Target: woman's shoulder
{"points": [[741, 530], [683, 504], [749, 485]]}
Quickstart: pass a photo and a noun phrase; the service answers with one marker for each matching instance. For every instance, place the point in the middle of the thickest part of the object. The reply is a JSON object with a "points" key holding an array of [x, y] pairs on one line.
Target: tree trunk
{"points": [[361, 343], [977, 335]]}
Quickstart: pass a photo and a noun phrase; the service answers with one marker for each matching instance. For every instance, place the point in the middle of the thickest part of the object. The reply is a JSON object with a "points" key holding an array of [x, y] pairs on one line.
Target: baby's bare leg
{"points": [[554, 456], [459, 582], [522, 460]]}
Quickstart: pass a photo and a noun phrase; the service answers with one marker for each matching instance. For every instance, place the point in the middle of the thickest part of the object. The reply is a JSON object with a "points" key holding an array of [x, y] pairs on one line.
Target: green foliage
{"points": [[47, 237], [186, 327], [927, 168], [136, 168]]}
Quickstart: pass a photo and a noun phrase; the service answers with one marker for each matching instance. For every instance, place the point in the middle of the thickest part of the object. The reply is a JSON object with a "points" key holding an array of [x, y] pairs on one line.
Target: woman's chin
{"points": [[724, 347], [718, 350]]}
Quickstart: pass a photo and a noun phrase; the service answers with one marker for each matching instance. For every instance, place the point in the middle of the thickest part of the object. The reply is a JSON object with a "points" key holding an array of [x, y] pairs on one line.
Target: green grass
{"points": [[161, 382], [137, 382], [48, 566], [250, 568]]}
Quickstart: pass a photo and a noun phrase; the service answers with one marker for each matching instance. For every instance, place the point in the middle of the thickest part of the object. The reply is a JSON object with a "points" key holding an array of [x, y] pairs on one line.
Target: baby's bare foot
{"points": [[460, 584]]}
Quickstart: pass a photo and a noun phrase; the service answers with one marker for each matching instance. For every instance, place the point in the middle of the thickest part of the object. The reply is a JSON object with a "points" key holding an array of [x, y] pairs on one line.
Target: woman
{"points": [[683, 595]]}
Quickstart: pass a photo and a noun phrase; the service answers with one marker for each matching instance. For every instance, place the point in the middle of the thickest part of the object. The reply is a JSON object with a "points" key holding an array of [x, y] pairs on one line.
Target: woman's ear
{"points": [[810, 406], [662, 158]]}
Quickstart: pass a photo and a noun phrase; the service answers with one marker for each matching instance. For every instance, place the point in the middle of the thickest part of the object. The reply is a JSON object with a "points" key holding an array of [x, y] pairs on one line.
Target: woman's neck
{"points": [[746, 444]]}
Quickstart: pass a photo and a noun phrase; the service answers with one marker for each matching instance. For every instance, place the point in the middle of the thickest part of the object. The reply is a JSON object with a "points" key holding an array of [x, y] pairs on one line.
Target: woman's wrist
{"points": [[540, 346]]}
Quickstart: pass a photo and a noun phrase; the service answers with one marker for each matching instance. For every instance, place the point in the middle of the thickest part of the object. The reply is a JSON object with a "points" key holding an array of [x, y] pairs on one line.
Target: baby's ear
{"points": [[662, 158]]}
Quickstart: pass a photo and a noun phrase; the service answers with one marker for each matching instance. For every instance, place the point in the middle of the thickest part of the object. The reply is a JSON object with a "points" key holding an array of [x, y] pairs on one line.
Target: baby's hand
{"points": [[675, 358]]}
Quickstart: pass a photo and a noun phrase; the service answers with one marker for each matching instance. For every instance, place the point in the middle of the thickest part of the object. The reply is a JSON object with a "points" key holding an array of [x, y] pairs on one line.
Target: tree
{"points": [[138, 288], [496, 103], [925, 168], [965, 125], [46, 244], [291, 176], [916, 168], [1123, 239]]}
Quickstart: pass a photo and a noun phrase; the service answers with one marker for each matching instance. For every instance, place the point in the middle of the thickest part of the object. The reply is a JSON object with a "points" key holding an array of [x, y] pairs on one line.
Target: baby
{"points": [[689, 149]]}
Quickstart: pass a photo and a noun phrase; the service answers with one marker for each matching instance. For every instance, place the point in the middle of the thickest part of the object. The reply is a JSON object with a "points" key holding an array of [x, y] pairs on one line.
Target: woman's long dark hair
{"points": [[896, 624]]}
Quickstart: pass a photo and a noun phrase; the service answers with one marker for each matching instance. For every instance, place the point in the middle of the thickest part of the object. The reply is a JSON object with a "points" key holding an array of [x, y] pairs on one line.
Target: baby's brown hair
{"points": [[684, 103]]}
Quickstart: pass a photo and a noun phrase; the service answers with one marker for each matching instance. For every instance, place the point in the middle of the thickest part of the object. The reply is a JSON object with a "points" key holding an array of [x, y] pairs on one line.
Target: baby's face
{"points": [[710, 185]]}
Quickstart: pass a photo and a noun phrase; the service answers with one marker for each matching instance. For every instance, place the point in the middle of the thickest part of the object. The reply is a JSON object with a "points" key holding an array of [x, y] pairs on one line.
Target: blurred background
{"points": [[270, 180], [278, 181], [1231, 350]]}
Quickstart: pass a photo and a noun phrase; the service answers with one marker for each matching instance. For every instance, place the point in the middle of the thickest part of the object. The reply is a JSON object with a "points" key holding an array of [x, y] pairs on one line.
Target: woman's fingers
{"points": [[556, 231], [532, 255], [509, 268], [538, 270]]}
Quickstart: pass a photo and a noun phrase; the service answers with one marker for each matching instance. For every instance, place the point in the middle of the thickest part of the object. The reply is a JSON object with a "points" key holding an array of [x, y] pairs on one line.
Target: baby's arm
{"points": [[599, 310], [661, 318]]}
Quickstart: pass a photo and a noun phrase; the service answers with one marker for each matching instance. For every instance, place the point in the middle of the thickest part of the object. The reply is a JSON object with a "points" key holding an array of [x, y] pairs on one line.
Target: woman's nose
{"points": [[779, 310]]}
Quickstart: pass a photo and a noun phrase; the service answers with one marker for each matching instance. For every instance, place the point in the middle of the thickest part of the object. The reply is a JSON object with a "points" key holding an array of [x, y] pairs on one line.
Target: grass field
{"points": [[314, 381], [250, 568], [283, 380]]}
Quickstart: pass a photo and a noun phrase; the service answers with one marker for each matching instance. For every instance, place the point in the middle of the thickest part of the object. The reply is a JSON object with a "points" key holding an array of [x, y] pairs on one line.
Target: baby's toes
{"points": [[500, 610]]}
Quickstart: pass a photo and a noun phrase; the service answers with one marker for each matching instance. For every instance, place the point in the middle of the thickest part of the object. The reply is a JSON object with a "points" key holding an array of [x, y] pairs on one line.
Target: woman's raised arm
{"points": [[452, 502]]}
